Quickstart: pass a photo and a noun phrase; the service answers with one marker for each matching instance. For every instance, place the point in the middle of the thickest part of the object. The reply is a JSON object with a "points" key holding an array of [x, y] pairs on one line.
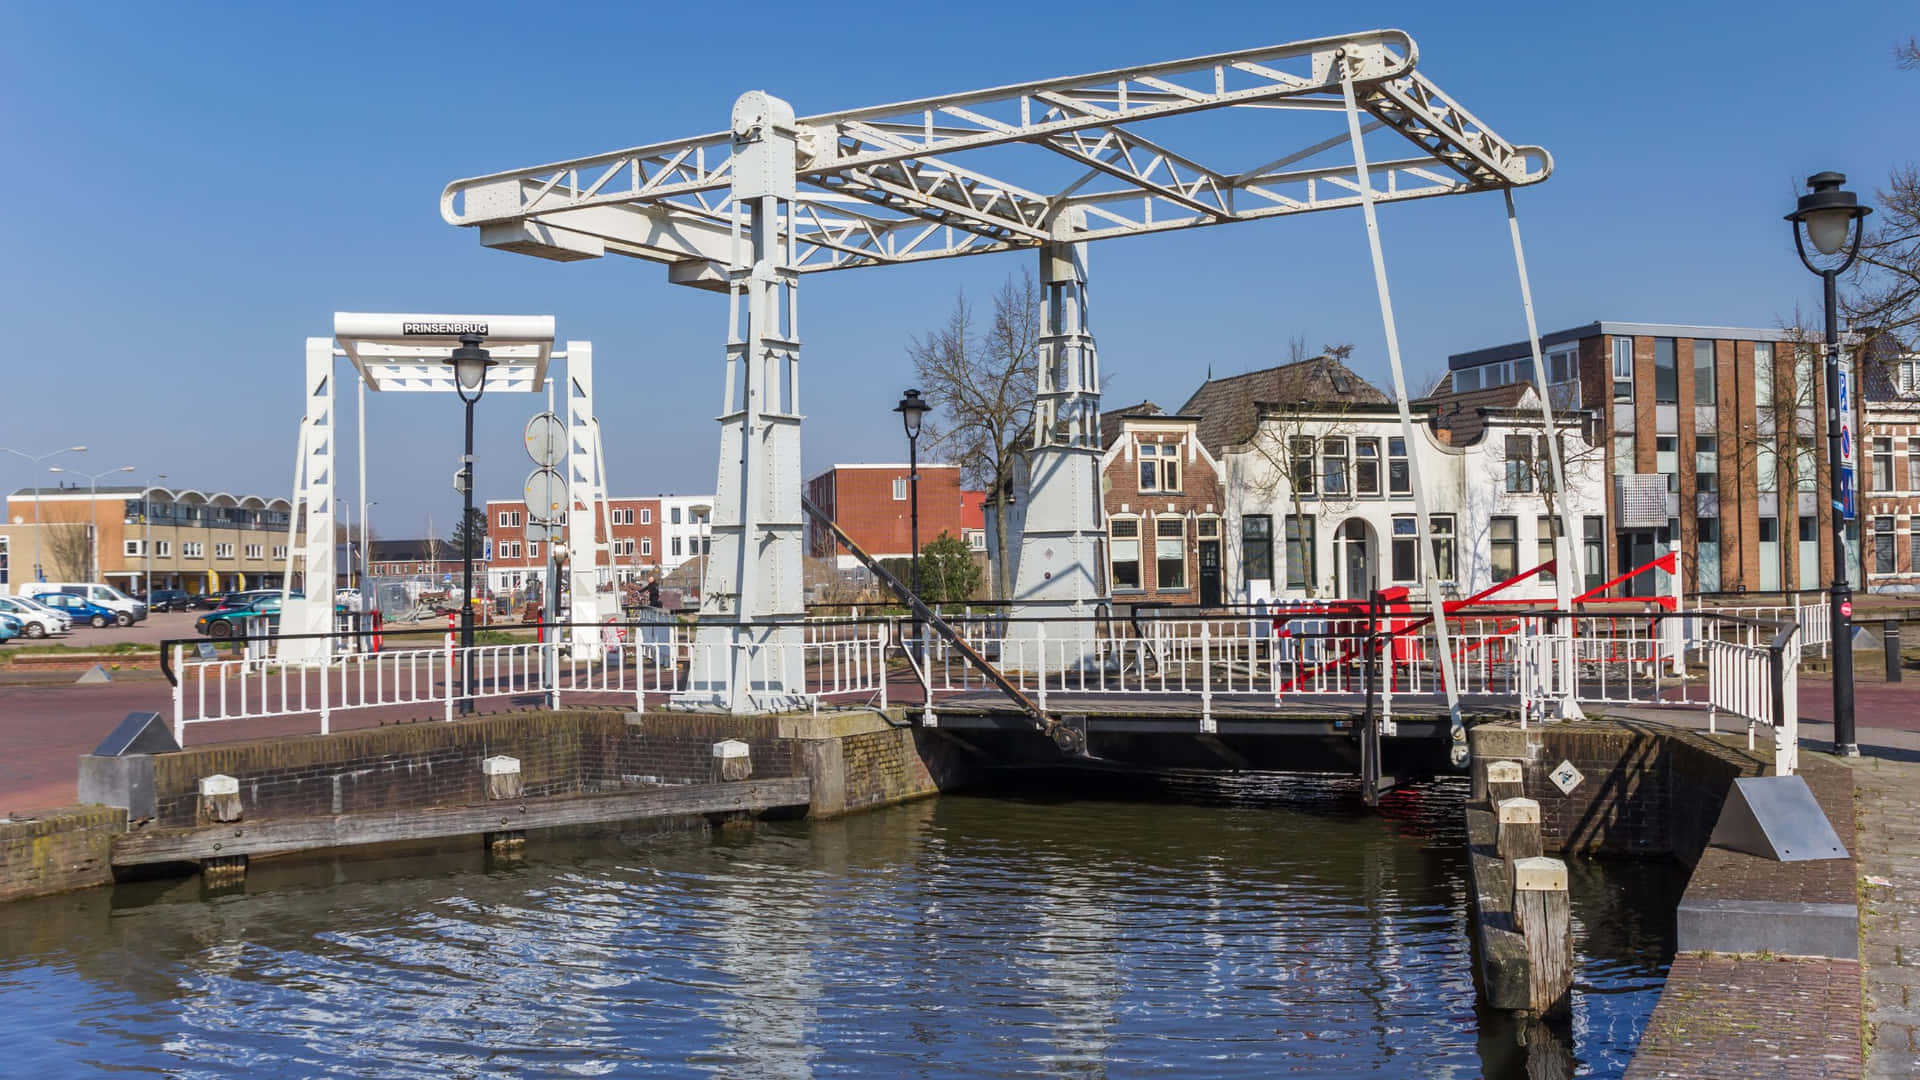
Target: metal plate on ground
{"points": [[1566, 777], [546, 440], [546, 494], [1776, 817]]}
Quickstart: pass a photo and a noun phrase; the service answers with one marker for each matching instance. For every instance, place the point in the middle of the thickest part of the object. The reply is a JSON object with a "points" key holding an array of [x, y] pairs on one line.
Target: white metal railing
{"points": [[626, 661], [1814, 618]]}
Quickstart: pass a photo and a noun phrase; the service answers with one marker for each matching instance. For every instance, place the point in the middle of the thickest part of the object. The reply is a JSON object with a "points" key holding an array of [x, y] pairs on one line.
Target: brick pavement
{"points": [[1753, 1016], [1887, 803]]}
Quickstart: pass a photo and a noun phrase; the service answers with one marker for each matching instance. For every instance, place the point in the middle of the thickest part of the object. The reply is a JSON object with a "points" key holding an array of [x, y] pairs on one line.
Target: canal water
{"points": [[1273, 928]]}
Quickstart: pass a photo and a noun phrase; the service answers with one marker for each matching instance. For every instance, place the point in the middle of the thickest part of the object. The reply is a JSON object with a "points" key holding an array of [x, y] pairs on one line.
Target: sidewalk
{"points": [[1887, 802]]}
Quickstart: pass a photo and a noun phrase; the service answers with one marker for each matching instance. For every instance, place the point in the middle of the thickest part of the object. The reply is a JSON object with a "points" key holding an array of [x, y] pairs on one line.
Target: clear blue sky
{"points": [[194, 189]]}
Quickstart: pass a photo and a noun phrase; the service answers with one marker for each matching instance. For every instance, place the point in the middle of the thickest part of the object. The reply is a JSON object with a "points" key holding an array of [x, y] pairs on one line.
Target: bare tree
{"points": [[981, 382], [68, 551], [1884, 286]]}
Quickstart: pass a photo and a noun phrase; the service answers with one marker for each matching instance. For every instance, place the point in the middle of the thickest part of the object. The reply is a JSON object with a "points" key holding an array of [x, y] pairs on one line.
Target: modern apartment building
{"points": [[174, 538], [873, 503], [1712, 435]]}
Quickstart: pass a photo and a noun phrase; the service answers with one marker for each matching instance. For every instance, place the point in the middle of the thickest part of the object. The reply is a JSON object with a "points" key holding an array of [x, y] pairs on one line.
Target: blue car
{"points": [[9, 627], [83, 611]]}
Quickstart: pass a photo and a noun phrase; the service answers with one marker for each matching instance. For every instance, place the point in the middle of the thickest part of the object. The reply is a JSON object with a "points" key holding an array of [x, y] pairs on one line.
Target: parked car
{"points": [[36, 620], [128, 610], [168, 600], [82, 611], [232, 621], [242, 599], [10, 627]]}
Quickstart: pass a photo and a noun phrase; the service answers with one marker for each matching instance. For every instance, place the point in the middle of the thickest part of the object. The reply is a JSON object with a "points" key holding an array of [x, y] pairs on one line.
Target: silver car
{"points": [[36, 619]]}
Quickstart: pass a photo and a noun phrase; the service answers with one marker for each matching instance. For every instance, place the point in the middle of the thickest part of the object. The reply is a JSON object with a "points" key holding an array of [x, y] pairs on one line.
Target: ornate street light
{"points": [[912, 410], [470, 363], [1831, 218]]}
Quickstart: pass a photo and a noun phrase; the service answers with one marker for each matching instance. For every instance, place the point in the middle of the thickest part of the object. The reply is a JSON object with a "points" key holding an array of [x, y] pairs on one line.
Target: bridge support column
{"points": [[1059, 565], [313, 507], [742, 661]]}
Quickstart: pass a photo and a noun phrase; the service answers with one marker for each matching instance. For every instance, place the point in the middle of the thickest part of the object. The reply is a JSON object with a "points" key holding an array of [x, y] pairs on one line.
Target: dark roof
{"points": [[1465, 412], [413, 550], [81, 489], [687, 575], [1229, 409], [1111, 420], [1877, 371]]}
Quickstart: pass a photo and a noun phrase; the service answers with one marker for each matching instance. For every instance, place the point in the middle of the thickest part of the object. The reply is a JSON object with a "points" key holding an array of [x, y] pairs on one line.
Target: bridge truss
{"points": [[1048, 166]]}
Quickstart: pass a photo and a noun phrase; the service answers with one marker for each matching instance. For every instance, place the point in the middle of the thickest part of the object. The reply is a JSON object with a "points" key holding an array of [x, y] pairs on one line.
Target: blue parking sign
{"points": [[1845, 502]]}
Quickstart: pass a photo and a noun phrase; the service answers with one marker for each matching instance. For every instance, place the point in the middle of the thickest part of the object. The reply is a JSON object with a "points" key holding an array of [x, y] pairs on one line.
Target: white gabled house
{"points": [[1319, 486]]}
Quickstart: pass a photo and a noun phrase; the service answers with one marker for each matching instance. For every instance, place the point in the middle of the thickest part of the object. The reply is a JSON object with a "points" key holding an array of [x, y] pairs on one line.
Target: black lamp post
{"points": [[911, 410], [470, 363], [1832, 219]]}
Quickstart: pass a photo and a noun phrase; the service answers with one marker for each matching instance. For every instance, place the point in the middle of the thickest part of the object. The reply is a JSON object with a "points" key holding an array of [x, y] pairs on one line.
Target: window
{"points": [[1159, 466], [1666, 374], [192, 549], [1913, 557], [1170, 552], [1545, 530], [1593, 551], [163, 548], [1883, 464], [1333, 466], [1366, 466], [646, 515], [1466, 379], [1666, 459], [1441, 526], [4, 568], [1300, 551], [1913, 470], [533, 548], [1623, 369], [1504, 537], [1763, 374], [1563, 378], [1769, 554], [646, 546], [899, 495], [1706, 560], [1400, 477], [1623, 453], [509, 549], [1906, 379], [1301, 470], [1406, 548], [133, 549], [899, 492], [1519, 463], [509, 519], [1805, 464], [676, 546], [1256, 547], [279, 550], [223, 551], [622, 516], [1766, 466], [1705, 388], [1883, 545], [256, 551], [1803, 376], [1706, 463], [623, 547], [1124, 545]]}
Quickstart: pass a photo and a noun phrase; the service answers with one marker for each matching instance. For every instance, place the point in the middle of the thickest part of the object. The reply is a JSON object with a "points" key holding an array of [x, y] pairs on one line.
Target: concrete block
{"points": [[1504, 772], [1518, 812], [219, 799], [1539, 874], [124, 781], [1784, 928]]}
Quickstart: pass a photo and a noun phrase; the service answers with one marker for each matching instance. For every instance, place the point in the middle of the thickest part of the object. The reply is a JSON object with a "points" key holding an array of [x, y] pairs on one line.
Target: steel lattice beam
{"points": [[889, 184]]}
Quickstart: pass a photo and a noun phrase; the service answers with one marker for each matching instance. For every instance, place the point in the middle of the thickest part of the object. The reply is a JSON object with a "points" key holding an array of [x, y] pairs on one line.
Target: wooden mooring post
{"points": [[1523, 920], [1545, 919]]}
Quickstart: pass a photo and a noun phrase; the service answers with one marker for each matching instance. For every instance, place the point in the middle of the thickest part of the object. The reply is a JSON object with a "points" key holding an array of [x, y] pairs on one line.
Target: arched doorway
{"points": [[1355, 559]]}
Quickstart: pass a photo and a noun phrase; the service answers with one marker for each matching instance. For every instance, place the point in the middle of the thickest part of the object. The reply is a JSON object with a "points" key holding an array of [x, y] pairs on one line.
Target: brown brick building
{"points": [[641, 536], [1161, 491], [873, 504], [1712, 435], [1889, 463]]}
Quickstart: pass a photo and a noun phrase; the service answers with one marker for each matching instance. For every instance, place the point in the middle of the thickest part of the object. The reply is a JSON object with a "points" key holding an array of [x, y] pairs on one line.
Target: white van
{"points": [[126, 609]]}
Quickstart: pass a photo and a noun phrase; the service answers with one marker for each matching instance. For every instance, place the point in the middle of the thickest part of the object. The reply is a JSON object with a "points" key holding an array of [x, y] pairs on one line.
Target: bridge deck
{"points": [[1177, 713]]}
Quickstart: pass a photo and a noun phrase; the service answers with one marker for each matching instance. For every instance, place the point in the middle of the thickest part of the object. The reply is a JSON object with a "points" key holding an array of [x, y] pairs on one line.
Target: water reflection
{"points": [[1194, 929]]}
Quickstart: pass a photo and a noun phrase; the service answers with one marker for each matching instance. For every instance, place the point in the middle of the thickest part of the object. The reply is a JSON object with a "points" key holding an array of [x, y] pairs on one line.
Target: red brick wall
{"points": [[636, 532], [1200, 495], [861, 500]]}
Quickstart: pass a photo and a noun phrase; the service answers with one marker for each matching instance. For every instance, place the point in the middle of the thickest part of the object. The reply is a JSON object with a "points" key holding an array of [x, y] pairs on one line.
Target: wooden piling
{"points": [[1517, 834], [1545, 919]]}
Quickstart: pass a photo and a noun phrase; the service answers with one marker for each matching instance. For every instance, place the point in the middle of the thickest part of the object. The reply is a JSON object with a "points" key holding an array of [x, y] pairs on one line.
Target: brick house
{"points": [[638, 537], [1161, 492], [1714, 435], [873, 504], [1889, 464]]}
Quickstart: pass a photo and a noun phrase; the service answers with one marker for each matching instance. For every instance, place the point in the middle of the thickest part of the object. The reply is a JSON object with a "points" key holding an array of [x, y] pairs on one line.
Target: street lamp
{"points": [[37, 459], [912, 410], [1831, 215], [470, 363], [93, 504], [146, 538]]}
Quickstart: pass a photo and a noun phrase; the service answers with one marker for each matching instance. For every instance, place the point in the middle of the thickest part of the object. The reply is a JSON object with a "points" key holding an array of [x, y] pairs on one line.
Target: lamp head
{"points": [[912, 409], [470, 363], [1828, 210]]}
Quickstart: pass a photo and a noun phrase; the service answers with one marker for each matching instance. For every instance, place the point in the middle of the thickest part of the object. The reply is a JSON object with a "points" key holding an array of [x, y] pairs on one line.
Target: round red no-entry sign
{"points": [[1846, 609]]}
